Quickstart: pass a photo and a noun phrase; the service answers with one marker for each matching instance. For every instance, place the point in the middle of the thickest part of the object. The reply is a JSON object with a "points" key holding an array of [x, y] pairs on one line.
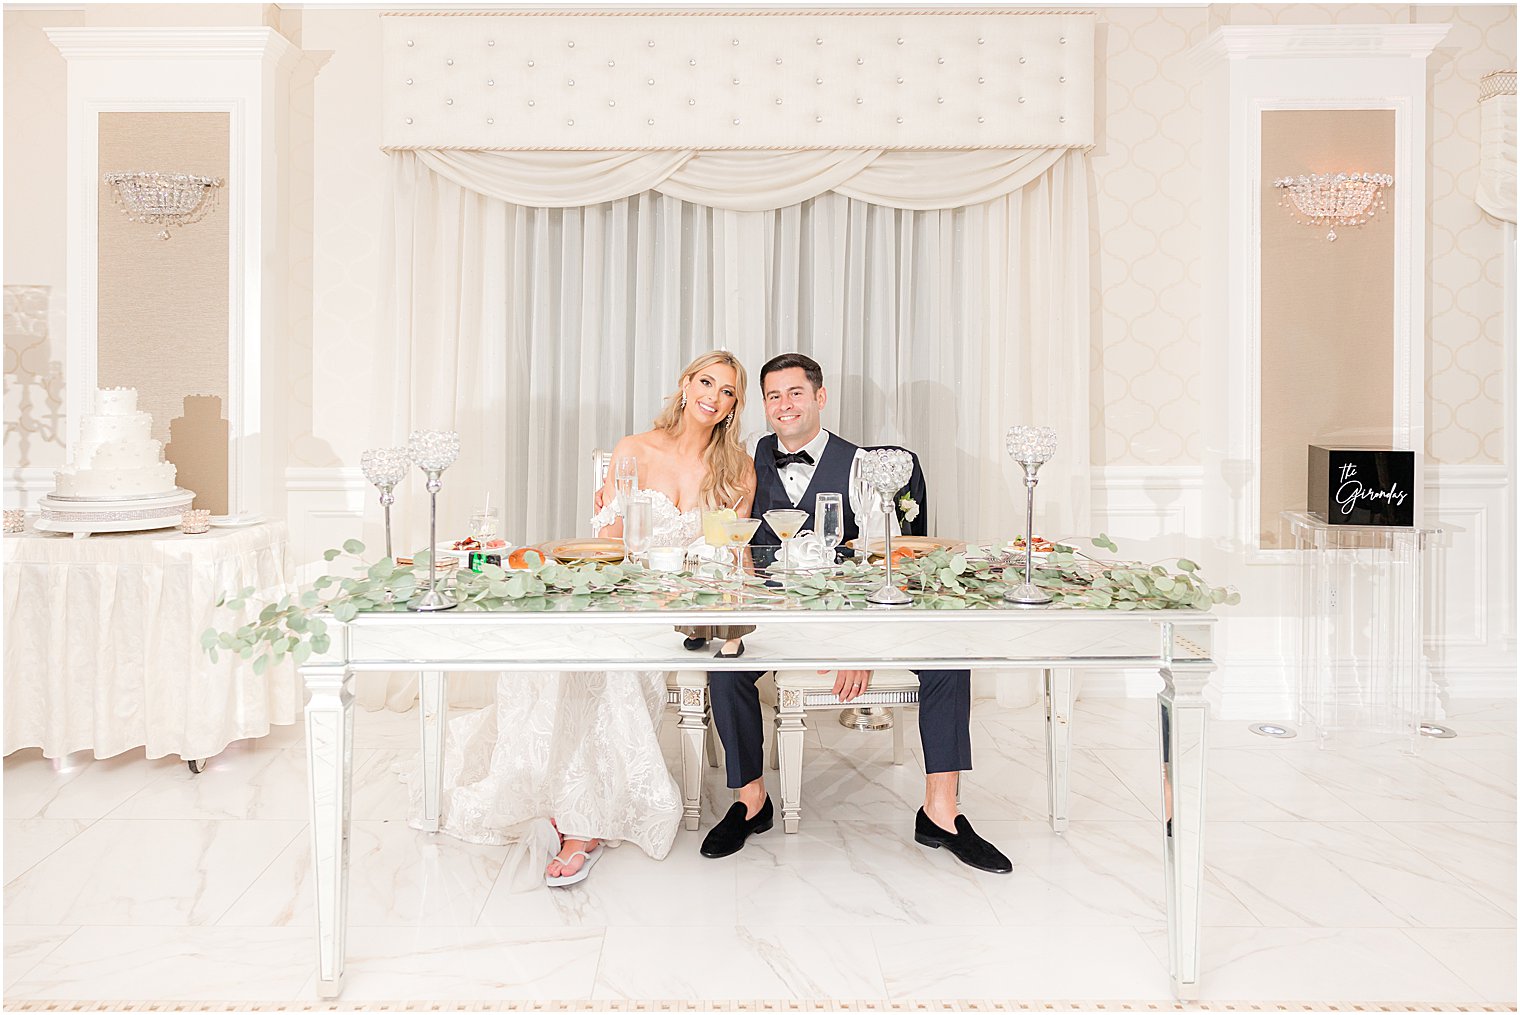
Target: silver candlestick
{"points": [[384, 468], [433, 451], [1031, 447], [887, 471]]}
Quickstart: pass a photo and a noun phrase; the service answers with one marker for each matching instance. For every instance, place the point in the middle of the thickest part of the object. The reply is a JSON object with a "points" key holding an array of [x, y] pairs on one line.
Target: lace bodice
{"points": [[672, 526]]}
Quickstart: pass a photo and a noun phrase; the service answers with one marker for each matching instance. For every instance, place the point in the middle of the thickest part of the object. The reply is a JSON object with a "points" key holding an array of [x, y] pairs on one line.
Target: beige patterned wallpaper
{"points": [[1144, 394]]}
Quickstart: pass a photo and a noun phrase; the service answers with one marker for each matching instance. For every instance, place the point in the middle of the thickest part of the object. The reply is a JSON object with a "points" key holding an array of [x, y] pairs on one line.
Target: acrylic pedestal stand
{"points": [[1361, 660]]}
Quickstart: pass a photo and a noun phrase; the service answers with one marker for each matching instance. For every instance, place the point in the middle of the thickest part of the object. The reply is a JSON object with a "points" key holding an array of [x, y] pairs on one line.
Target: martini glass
{"points": [[785, 522], [739, 532], [713, 532]]}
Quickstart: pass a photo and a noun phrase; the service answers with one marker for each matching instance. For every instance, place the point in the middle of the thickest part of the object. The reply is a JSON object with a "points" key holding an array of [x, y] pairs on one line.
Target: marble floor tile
{"points": [[1001, 962], [1097, 873], [389, 730], [399, 877], [1484, 959], [172, 963], [29, 840], [1487, 709], [466, 963], [625, 889], [1480, 854], [236, 784], [1390, 785], [26, 946], [1241, 785], [1015, 790], [1318, 964], [147, 872], [1340, 874], [856, 873], [716, 963], [78, 786]]}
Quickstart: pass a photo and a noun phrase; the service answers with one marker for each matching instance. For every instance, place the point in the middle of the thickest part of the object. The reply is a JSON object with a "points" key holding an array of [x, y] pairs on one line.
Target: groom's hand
{"points": [[848, 684], [599, 501]]}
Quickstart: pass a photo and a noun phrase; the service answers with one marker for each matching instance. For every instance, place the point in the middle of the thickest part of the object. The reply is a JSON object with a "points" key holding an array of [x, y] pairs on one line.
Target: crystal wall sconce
{"points": [[1333, 199], [164, 199]]}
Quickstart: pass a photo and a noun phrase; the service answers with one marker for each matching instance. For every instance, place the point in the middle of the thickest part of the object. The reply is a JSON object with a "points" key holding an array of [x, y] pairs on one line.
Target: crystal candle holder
{"points": [[1031, 447], [384, 468], [433, 451], [886, 471], [194, 521], [15, 521]]}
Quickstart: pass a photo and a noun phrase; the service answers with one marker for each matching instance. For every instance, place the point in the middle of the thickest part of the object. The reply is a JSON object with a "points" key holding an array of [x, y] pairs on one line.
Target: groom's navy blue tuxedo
{"points": [[944, 709]]}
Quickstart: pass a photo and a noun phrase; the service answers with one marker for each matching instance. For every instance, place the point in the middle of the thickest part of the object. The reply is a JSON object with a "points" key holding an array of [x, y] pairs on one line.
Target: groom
{"points": [[793, 464]]}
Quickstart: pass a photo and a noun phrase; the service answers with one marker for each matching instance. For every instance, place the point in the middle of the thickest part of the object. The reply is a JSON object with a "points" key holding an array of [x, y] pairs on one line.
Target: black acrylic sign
{"points": [[1361, 486]]}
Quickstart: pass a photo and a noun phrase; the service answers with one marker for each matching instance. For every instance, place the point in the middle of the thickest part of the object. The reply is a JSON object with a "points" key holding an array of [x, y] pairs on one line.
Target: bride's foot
{"points": [[564, 865]]}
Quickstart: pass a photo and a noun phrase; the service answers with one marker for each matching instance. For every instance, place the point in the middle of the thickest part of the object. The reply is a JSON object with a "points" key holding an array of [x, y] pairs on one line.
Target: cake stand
{"points": [[84, 515]]}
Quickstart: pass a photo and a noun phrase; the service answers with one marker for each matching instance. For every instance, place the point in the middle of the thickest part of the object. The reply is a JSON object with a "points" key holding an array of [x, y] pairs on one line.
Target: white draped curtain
{"points": [[543, 328]]}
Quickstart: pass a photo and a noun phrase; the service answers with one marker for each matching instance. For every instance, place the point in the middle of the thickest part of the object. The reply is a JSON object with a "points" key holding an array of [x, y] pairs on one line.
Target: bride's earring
{"points": [[728, 420], [683, 399]]}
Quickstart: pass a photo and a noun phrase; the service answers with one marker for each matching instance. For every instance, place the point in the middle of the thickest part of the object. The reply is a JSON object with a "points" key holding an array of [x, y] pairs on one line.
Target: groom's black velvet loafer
{"points": [[728, 835], [964, 844], [695, 644]]}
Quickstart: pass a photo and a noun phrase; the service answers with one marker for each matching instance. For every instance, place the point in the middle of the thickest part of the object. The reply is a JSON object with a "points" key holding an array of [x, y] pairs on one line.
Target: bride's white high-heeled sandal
{"points": [[592, 856]]}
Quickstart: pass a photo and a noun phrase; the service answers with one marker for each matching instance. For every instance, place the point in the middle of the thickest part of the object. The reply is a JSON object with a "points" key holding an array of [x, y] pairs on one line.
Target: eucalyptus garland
{"points": [[296, 625]]}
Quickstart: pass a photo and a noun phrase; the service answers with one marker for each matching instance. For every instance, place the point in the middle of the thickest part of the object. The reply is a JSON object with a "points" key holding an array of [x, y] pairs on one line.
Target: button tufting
{"points": [[490, 120], [611, 63], [569, 123], [899, 40], [491, 42], [736, 42], [981, 119], [691, 102], [408, 80], [409, 42], [899, 119], [778, 61], [860, 59], [941, 59], [778, 100], [736, 80], [736, 121], [532, 102], [449, 61], [981, 81], [408, 119], [651, 81], [490, 82], [980, 40], [1063, 40], [1021, 98], [448, 102], [693, 62], [859, 100], [612, 102], [1063, 119], [651, 46], [817, 118], [572, 43], [571, 82], [817, 42], [941, 99], [650, 122], [818, 81], [899, 79], [1022, 60], [530, 63], [1062, 79]]}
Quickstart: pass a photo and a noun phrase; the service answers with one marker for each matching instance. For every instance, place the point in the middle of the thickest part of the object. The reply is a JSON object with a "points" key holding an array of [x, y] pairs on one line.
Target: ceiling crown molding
{"points": [[1332, 42], [241, 42]]}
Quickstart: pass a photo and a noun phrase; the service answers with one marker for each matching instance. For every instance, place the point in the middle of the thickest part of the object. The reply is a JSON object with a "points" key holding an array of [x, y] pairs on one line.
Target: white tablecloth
{"points": [[102, 642]]}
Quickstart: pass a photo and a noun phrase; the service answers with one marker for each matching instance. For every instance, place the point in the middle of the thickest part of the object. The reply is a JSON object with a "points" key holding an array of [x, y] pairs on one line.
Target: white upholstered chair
{"points": [[799, 692], [685, 691]]}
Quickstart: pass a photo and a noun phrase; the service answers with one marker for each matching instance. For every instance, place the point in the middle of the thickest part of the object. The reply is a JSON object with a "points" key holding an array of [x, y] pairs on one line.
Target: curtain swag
{"points": [[743, 181]]}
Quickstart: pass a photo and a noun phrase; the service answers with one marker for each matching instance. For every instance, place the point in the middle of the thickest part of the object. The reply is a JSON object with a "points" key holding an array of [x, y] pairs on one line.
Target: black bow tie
{"points": [[798, 458]]}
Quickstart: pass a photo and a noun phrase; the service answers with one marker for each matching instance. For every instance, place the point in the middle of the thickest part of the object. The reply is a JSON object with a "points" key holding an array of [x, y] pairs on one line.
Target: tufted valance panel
{"points": [[742, 181], [600, 81]]}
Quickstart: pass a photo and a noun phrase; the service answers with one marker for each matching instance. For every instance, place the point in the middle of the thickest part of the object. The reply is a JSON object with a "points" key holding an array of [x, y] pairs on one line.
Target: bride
{"points": [[581, 750]]}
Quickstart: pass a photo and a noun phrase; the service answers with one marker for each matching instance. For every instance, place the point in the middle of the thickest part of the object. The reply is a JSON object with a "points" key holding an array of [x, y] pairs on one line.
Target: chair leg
{"points": [[897, 736], [693, 726], [714, 743], [791, 726]]}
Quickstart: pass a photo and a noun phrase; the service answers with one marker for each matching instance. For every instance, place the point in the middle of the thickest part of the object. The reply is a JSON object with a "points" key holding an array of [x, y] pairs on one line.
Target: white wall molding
{"points": [[1324, 42]]}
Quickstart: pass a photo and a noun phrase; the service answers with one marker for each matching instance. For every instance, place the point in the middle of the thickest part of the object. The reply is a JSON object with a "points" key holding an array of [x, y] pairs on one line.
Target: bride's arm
{"points": [[611, 512]]}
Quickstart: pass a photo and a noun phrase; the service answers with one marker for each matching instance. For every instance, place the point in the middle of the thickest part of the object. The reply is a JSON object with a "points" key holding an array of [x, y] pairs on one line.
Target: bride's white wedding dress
{"points": [[581, 748]]}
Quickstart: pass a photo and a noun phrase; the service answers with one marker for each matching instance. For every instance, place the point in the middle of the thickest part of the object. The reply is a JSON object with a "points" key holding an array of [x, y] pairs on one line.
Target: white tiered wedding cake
{"points": [[115, 456], [116, 479]]}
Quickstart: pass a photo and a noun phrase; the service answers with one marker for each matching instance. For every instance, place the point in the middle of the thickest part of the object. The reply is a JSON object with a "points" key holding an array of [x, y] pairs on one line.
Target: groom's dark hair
{"points": [[787, 361]]}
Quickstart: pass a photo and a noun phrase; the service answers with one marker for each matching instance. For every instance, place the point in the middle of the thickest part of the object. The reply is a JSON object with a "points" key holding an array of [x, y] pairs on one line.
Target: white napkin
{"points": [[807, 551]]}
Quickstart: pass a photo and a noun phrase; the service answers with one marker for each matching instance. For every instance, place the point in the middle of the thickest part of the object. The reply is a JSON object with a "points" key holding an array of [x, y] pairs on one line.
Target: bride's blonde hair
{"points": [[724, 455]]}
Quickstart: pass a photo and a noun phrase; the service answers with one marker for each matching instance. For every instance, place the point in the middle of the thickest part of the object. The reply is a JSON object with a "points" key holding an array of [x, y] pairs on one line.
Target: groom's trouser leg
{"points": [[736, 713], [944, 719]]}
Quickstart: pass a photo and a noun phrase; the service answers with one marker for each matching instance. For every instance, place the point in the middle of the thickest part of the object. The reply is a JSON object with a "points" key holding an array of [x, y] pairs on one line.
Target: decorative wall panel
{"points": [[723, 81]]}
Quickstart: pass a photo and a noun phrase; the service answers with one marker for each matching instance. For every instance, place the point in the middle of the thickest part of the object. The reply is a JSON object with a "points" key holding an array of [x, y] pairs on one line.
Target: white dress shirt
{"points": [[796, 477]]}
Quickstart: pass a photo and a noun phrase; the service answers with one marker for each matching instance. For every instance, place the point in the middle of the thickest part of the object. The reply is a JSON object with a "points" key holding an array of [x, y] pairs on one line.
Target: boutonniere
{"points": [[907, 507]]}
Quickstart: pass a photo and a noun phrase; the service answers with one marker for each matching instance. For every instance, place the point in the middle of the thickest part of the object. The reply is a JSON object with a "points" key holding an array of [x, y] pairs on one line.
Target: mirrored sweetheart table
{"points": [[612, 637]]}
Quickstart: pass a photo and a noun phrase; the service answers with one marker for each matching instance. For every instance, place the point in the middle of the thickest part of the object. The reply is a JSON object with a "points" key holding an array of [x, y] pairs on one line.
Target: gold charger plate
{"points": [[583, 551], [918, 544]]}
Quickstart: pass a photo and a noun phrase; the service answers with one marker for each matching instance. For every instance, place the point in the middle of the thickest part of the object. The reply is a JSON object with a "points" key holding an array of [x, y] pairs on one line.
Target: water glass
{"points": [[828, 519], [483, 525], [638, 524], [625, 476]]}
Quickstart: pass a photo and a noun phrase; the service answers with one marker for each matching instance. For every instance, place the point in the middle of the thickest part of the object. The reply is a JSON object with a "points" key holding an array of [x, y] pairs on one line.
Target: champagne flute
{"points": [[828, 520], [625, 473]]}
